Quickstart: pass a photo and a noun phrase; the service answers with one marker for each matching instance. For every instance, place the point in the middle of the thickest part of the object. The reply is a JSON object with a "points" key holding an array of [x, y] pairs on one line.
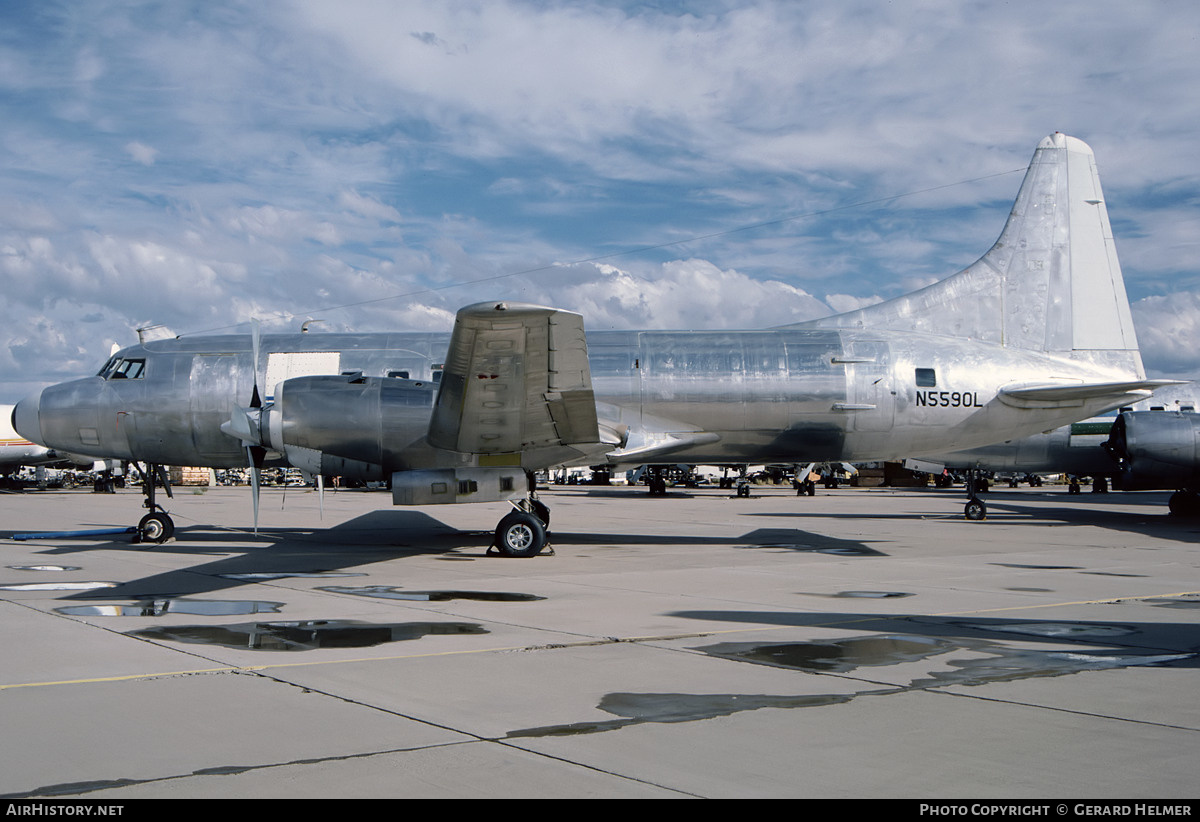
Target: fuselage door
{"points": [[869, 385], [216, 385]]}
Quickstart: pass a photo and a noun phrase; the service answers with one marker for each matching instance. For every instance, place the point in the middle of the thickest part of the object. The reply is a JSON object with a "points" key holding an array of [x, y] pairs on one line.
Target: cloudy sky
{"points": [[716, 163]]}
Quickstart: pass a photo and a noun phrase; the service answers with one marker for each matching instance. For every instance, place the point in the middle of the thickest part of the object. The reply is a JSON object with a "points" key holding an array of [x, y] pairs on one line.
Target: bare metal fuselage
{"points": [[722, 397]]}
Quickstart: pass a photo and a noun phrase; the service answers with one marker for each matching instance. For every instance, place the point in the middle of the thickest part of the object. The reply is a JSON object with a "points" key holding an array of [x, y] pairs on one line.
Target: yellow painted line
{"points": [[1061, 604], [234, 668]]}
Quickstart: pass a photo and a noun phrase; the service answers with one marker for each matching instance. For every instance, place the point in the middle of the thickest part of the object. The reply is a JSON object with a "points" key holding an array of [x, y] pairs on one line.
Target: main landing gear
{"points": [[975, 508], [656, 481], [522, 532], [157, 526]]}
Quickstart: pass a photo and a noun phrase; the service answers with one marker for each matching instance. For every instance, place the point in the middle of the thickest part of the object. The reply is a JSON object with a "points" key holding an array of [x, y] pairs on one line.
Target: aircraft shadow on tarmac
{"points": [[374, 537], [1173, 643], [780, 539], [1160, 525], [377, 536], [1023, 509]]}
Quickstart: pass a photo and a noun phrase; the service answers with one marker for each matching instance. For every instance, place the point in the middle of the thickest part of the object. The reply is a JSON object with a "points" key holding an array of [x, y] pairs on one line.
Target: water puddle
{"points": [[391, 592], [961, 662], [160, 607], [44, 567], [305, 635], [269, 575], [835, 657], [635, 709], [1168, 602], [57, 586], [1063, 630]]}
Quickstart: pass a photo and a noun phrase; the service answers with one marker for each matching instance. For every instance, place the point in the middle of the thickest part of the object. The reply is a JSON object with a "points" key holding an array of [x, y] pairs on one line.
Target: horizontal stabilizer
{"points": [[1042, 395]]}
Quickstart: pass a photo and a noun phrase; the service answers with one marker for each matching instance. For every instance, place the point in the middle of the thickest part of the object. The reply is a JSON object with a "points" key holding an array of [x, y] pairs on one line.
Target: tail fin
{"points": [[1051, 283]]}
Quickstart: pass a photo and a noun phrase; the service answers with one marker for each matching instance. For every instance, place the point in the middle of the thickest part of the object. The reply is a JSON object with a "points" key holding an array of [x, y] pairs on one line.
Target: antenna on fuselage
{"points": [[141, 332]]}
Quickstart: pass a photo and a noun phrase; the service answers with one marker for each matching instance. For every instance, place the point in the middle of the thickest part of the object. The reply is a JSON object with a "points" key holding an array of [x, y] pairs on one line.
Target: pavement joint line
{"points": [[552, 646], [1063, 604]]}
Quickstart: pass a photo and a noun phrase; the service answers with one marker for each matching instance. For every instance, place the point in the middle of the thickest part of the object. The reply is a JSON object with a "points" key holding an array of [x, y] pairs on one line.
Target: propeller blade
{"points": [[321, 494], [255, 345]]}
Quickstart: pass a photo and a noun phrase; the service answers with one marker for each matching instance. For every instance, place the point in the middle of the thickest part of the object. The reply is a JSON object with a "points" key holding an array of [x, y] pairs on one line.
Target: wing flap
{"points": [[516, 381]]}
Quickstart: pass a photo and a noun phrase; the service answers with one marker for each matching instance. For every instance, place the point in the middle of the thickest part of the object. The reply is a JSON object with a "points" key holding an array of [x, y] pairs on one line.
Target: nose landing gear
{"points": [[157, 526], [975, 508]]}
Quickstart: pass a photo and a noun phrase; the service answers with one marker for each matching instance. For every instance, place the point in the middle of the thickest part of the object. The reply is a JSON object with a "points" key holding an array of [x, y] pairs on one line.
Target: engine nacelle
{"points": [[451, 485], [347, 425], [1156, 450]]}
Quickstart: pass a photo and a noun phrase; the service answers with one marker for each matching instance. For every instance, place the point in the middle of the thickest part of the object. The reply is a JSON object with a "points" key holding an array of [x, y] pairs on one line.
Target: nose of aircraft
{"points": [[26, 418]]}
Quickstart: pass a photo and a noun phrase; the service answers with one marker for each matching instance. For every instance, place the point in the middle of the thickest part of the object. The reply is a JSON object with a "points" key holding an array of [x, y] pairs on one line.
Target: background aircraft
{"points": [[1152, 445], [16, 451], [1034, 335], [1159, 449]]}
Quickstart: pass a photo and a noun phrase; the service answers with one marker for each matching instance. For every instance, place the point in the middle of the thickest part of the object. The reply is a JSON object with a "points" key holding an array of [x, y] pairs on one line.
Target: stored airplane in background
{"points": [[1159, 450], [1034, 335], [1153, 445], [16, 451]]}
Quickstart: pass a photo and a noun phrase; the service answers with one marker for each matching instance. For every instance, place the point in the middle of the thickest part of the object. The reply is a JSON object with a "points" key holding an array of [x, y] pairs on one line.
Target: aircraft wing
{"points": [[516, 389]]}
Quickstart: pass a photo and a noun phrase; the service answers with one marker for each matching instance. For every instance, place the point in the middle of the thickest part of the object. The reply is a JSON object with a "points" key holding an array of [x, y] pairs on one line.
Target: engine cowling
{"points": [[347, 425], [1156, 450]]}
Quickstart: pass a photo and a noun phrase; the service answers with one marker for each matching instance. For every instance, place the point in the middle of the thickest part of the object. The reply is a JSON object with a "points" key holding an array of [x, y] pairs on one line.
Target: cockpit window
{"points": [[119, 368]]}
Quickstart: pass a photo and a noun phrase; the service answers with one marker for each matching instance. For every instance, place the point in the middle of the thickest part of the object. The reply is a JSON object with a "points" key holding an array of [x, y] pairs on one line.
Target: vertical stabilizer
{"points": [[1051, 283]]}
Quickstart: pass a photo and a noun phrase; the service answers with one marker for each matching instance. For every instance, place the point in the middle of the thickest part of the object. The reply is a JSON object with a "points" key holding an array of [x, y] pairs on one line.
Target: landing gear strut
{"points": [[522, 532], [656, 480], [743, 484], [975, 508], [157, 526]]}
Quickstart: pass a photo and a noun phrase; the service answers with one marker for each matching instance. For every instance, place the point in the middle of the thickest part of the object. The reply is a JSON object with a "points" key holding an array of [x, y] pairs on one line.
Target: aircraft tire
{"points": [[156, 527], [1184, 504], [520, 535], [975, 510]]}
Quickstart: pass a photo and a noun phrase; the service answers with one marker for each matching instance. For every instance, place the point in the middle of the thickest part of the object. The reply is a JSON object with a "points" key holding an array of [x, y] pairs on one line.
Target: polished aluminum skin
{"points": [[1035, 335]]}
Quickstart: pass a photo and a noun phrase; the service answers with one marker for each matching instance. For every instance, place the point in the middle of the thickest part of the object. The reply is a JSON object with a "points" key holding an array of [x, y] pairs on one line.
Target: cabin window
{"points": [[403, 375], [926, 378]]}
